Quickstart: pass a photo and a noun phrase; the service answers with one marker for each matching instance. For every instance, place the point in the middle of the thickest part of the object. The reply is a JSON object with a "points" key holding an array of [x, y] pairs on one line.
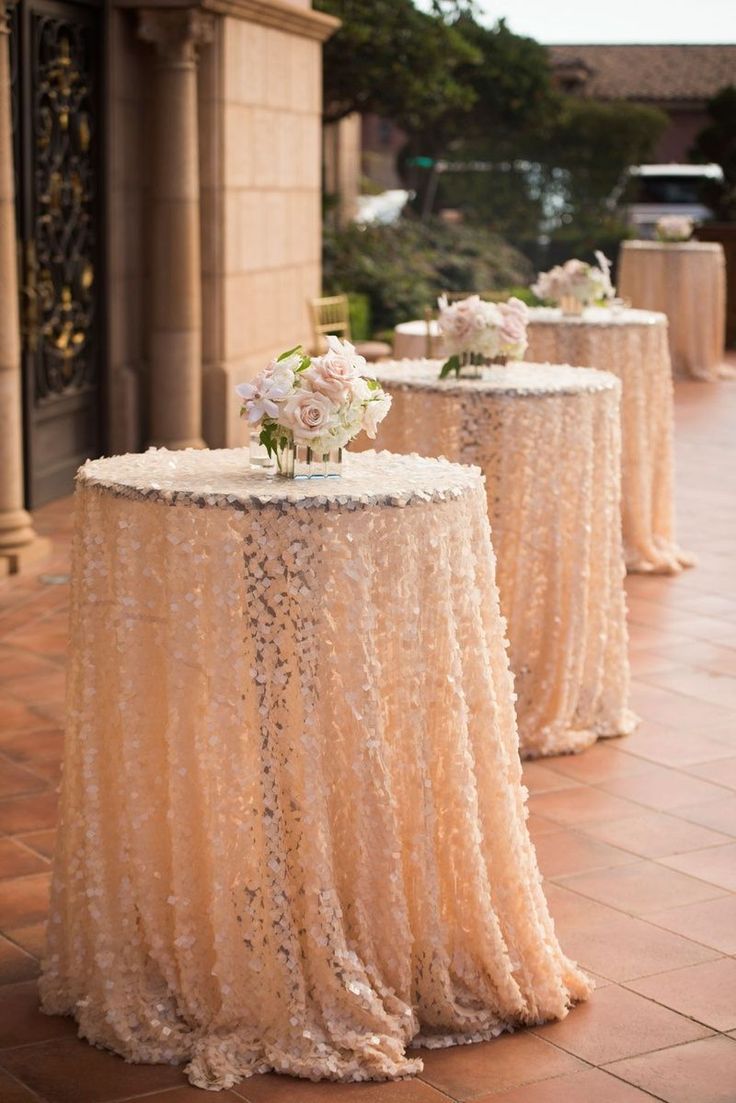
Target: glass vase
{"points": [[571, 306], [471, 365], [259, 457], [296, 460]]}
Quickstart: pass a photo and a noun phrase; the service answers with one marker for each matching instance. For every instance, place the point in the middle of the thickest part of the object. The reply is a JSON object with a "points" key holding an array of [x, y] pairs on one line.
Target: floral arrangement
{"points": [[578, 280], [478, 330], [674, 227], [321, 401]]}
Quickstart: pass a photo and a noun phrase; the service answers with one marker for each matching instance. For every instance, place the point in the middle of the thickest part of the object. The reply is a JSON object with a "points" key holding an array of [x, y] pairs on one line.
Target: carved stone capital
{"points": [[176, 33]]}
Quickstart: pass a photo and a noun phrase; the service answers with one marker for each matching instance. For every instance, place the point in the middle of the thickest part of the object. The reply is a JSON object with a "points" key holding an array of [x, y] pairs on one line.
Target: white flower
{"points": [[374, 413], [674, 227], [577, 279], [262, 395]]}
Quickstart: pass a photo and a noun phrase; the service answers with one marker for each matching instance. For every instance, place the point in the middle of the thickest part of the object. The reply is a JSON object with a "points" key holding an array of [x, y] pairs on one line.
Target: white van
{"points": [[651, 191]]}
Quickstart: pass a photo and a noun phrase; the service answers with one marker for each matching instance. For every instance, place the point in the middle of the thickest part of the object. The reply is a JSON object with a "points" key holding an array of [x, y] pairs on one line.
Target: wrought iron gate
{"points": [[55, 68]]}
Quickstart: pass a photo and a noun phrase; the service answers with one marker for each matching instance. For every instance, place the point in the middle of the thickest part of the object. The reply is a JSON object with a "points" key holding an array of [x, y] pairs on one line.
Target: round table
{"points": [[687, 281], [631, 344], [548, 441], [293, 826], [417, 339]]}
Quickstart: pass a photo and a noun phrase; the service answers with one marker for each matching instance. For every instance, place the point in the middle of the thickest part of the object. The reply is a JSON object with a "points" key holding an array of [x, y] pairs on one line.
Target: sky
{"points": [[589, 21]]}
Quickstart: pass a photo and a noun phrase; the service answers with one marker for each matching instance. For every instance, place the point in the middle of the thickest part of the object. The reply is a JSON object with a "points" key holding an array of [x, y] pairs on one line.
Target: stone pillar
{"points": [[19, 545], [175, 348]]}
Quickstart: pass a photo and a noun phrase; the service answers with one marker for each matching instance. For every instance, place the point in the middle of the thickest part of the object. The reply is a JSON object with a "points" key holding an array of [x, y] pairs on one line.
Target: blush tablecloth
{"points": [[417, 339], [632, 344], [547, 439], [686, 281], [293, 826]]}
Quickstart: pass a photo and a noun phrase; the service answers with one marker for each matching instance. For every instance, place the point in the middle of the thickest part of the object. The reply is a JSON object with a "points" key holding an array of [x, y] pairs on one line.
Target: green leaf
{"points": [[373, 384], [453, 364], [288, 353], [305, 362], [268, 429]]}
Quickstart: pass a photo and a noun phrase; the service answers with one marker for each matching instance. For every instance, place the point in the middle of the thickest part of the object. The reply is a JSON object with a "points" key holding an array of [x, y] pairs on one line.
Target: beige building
{"points": [[160, 226]]}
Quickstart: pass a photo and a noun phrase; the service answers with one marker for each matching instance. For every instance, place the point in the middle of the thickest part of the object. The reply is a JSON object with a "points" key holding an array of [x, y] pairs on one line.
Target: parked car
{"points": [[650, 191]]}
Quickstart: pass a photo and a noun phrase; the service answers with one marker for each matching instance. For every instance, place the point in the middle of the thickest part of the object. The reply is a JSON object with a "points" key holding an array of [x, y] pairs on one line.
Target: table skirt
{"points": [[292, 824]]}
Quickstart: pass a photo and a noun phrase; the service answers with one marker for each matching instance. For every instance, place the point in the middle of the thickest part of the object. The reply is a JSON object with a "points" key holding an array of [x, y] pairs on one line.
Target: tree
{"points": [[513, 103], [390, 59], [591, 145], [717, 143]]}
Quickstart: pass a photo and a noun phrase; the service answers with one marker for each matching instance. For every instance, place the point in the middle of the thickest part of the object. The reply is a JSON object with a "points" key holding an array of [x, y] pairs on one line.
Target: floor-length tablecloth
{"points": [[417, 339], [632, 344], [686, 281], [293, 826], [547, 439]]}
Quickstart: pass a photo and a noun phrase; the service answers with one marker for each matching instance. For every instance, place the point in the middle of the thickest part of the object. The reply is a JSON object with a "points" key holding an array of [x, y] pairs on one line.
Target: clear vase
{"points": [[259, 457], [295, 460], [570, 305], [471, 365]]}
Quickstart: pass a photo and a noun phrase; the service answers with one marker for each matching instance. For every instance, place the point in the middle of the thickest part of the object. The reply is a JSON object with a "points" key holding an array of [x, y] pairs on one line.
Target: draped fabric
{"points": [[632, 344], [548, 441], [293, 825], [687, 282]]}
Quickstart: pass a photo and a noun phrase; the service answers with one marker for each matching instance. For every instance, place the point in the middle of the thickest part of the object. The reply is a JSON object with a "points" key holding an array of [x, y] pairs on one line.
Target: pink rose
{"points": [[332, 376], [514, 315], [335, 373], [461, 320], [308, 414]]}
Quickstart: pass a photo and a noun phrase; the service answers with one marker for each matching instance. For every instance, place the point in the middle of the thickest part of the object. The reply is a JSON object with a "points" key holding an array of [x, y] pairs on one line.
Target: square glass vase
{"points": [[293, 460], [570, 306], [473, 363]]}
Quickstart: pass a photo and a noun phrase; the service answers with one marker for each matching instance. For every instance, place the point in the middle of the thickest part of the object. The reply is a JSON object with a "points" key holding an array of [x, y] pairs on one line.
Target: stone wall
{"points": [[126, 208], [259, 88], [261, 226]]}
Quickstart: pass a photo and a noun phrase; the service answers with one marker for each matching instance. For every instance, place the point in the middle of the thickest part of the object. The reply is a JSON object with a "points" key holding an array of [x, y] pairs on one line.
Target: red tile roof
{"points": [[647, 72]]}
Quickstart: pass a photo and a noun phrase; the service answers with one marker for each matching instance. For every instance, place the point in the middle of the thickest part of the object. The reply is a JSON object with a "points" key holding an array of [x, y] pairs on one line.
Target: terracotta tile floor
{"points": [[637, 838]]}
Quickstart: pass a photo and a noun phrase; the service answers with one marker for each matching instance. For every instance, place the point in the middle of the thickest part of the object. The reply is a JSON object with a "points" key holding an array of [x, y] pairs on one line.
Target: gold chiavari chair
{"points": [[330, 315]]}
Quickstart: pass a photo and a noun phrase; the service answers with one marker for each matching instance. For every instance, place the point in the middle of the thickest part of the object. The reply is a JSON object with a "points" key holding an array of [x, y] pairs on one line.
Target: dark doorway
{"points": [[55, 66]]}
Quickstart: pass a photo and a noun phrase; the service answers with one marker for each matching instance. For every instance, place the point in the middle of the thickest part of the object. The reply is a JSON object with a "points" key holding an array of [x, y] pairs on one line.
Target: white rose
{"points": [[375, 412]]}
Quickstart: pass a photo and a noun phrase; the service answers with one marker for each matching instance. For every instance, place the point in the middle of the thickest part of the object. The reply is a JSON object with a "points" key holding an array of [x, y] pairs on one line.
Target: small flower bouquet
{"points": [[305, 409], [576, 284], [476, 332], [674, 227]]}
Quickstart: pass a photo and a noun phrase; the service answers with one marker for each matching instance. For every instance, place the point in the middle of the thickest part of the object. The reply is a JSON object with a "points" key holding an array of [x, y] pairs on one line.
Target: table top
{"points": [[552, 315], [223, 478], [517, 379], [596, 316], [680, 246]]}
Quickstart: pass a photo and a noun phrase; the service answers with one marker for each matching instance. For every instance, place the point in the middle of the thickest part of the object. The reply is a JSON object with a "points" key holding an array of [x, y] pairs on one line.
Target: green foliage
{"points": [[512, 86], [359, 307], [403, 268], [717, 143], [593, 143], [391, 59]]}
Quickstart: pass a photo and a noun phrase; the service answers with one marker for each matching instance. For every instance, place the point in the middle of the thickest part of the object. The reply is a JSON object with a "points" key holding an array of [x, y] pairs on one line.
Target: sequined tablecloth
{"points": [[687, 281], [293, 826], [548, 441], [631, 344]]}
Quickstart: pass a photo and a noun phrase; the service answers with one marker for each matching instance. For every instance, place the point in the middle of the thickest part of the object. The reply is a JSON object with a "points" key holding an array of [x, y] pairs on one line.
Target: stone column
{"points": [[19, 545], [176, 270]]}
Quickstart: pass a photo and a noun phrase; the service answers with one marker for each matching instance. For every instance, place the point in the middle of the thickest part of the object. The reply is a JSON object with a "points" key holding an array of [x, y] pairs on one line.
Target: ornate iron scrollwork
{"points": [[59, 280]]}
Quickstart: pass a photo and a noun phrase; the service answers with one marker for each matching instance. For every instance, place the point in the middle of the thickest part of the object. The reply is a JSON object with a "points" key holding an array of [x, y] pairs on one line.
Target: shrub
{"points": [[402, 268]]}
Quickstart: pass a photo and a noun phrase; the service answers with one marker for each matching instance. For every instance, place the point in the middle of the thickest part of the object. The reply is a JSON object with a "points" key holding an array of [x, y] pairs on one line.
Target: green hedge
{"points": [[402, 268]]}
